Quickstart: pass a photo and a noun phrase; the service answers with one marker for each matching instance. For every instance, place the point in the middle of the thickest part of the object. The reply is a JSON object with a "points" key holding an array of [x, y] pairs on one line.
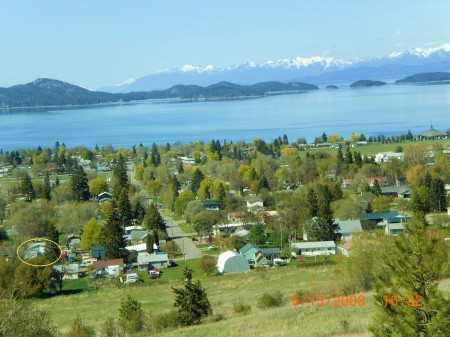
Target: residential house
{"points": [[259, 255], [148, 261], [383, 157], [346, 184], [112, 267], [33, 250], [394, 229], [313, 248], [382, 181], [255, 205], [402, 192], [447, 189], [104, 197], [212, 205], [348, 228]]}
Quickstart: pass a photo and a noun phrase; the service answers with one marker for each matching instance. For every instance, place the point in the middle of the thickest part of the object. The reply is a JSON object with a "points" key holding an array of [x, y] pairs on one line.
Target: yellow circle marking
{"points": [[39, 265]]}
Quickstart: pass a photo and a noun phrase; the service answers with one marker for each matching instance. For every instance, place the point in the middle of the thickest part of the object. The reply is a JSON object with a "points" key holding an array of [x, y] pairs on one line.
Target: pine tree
{"points": [[348, 156], [313, 202], [180, 167], [124, 208], [153, 219], [149, 243], [45, 193], [155, 156], [26, 188], [263, 183], [57, 181], [120, 178], [376, 188], [408, 299], [138, 212], [197, 178], [438, 195], [191, 300], [80, 187], [52, 251], [114, 242]]}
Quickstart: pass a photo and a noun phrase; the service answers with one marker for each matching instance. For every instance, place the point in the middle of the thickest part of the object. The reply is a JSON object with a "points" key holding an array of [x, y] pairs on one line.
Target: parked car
{"points": [[131, 278], [172, 263], [154, 274]]}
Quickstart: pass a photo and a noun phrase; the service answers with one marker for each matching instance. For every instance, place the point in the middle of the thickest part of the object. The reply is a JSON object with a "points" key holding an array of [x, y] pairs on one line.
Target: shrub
{"points": [[215, 318], [165, 321], [78, 329], [242, 309], [131, 315], [112, 329], [208, 265], [270, 300]]}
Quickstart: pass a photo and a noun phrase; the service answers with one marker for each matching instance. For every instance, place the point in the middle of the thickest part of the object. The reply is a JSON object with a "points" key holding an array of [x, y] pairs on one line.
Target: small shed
{"points": [[232, 262], [98, 252]]}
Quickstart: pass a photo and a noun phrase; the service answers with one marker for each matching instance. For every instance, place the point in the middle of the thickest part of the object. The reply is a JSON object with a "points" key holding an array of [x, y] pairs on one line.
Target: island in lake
{"points": [[426, 78], [366, 84]]}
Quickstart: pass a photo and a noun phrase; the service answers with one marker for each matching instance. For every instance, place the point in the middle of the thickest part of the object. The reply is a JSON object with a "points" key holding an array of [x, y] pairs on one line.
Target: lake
{"points": [[388, 110]]}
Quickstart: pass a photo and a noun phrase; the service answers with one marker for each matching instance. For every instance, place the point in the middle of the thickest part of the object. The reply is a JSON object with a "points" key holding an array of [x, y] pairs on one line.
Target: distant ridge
{"points": [[319, 70], [430, 77], [46, 92]]}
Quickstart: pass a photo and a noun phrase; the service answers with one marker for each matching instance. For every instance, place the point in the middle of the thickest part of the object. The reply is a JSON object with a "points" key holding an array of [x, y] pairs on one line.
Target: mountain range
{"points": [[317, 70]]}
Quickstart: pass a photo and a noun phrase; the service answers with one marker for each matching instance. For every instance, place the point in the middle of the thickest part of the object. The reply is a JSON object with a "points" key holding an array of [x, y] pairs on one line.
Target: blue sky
{"points": [[103, 42]]}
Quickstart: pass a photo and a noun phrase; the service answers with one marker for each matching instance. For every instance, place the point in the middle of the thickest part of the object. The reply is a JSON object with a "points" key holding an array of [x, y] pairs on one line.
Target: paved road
{"points": [[173, 230]]}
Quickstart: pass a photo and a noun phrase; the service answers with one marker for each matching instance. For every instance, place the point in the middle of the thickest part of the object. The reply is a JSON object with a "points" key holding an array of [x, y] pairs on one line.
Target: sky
{"points": [[105, 42]]}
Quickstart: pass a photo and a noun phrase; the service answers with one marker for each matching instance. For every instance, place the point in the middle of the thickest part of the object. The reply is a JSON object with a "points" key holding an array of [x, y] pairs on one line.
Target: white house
{"points": [[313, 248], [383, 157]]}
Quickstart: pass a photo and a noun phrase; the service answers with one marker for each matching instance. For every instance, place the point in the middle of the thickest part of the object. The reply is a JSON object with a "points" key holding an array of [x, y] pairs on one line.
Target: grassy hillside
{"points": [[224, 292]]}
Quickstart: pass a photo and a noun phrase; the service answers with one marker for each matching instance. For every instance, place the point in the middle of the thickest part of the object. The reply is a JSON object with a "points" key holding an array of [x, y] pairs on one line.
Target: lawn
{"points": [[187, 227], [224, 292]]}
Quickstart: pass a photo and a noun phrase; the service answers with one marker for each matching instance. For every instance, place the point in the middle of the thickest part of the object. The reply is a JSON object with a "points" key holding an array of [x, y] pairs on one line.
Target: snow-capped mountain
{"points": [[315, 70]]}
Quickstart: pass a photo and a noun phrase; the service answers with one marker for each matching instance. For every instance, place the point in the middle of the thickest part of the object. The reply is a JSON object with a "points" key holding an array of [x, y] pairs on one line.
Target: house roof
{"points": [[103, 264], [349, 226], [138, 235], [313, 244], [395, 189], [210, 203], [247, 247], [144, 257], [381, 215], [140, 247], [433, 133]]}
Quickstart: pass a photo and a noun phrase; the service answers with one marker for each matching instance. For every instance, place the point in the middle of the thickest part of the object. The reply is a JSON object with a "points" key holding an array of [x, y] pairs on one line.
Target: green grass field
{"points": [[374, 148], [96, 305]]}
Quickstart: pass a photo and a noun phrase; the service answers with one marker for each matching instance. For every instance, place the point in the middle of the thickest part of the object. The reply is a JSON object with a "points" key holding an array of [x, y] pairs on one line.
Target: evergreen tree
{"points": [[149, 243], [263, 183], [313, 202], [358, 158], [120, 178], [285, 140], [45, 192], [124, 209], [376, 188], [138, 212], [438, 195], [153, 219], [155, 156], [114, 242], [348, 156], [409, 301], [180, 167], [57, 181], [52, 251], [321, 229], [26, 188], [80, 187], [197, 178], [191, 300]]}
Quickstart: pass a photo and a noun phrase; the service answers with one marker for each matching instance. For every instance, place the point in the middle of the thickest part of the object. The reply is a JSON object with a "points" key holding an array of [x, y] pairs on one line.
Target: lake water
{"points": [[388, 110]]}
